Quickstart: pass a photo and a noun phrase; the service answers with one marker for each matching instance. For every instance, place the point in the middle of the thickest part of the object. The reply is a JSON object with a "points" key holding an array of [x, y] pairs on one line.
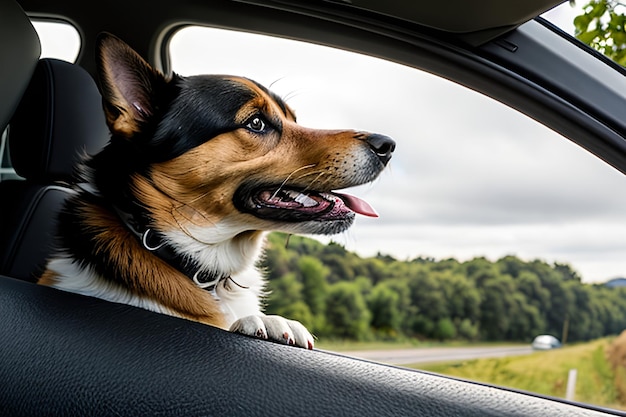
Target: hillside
{"points": [[339, 295], [616, 282]]}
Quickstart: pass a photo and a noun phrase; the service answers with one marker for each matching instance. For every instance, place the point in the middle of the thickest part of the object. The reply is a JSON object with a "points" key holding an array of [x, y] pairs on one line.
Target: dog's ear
{"points": [[128, 85]]}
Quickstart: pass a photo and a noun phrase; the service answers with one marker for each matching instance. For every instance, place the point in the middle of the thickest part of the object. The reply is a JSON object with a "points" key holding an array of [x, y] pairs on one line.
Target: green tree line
{"points": [[339, 295]]}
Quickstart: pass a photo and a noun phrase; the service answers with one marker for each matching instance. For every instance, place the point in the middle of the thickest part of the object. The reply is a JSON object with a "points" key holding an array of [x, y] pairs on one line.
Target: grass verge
{"points": [[545, 372]]}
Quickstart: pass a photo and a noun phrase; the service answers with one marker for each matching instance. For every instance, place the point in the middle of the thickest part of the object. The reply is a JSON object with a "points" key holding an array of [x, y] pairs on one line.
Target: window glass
{"points": [[58, 40], [6, 169], [470, 177], [564, 14], [492, 227]]}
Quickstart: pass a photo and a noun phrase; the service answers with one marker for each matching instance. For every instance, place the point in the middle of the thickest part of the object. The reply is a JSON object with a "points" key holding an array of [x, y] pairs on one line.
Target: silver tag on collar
{"points": [[210, 286]]}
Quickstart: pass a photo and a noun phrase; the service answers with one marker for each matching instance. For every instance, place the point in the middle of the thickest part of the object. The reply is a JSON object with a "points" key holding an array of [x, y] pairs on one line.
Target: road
{"points": [[438, 354]]}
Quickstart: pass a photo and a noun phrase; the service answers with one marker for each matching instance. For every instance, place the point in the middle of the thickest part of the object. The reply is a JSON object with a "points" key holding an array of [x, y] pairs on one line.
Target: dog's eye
{"points": [[256, 124]]}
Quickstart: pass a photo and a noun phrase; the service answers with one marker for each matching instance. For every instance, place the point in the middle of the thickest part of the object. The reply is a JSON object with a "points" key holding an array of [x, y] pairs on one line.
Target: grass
{"points": [[545, 372]]}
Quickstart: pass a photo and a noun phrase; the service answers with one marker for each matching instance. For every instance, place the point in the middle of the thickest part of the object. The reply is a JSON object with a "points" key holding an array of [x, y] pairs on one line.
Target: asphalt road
{"points": [[438, 354]]}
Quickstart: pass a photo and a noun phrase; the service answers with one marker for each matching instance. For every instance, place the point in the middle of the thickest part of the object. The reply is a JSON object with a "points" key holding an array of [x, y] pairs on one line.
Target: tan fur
{"points": [[197, 187], [48, 278]]}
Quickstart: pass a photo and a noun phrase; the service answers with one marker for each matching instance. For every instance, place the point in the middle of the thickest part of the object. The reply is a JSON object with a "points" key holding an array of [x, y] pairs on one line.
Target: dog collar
{"points": [[154, 242]]}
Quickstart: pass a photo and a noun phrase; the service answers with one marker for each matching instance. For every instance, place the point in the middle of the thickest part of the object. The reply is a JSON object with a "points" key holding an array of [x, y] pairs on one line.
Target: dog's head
{"points": [[222, 153]]}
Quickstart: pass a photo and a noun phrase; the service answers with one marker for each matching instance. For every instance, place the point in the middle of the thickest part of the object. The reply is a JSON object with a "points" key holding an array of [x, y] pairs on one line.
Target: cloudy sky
{"points": [[469, 177]]}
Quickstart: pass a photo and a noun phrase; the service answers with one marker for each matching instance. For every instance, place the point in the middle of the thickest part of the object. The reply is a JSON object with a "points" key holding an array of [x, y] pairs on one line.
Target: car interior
{"points": [[66, 354]]}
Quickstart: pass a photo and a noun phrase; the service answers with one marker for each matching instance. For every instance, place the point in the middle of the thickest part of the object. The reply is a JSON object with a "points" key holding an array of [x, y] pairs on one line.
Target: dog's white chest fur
{"points": [[238, 296], [217, 253]]}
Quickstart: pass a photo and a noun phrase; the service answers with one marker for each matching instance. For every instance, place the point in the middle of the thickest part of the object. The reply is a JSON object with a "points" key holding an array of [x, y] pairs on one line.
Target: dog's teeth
{"points": [[305, 200], [292, 194]]}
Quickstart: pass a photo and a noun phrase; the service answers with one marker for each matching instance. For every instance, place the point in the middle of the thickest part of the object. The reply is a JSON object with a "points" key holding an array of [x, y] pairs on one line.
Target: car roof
{"points": [[458, 16], [138, 21]]}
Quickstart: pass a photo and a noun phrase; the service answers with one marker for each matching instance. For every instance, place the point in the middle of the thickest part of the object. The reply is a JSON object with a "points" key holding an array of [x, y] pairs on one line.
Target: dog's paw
{"points": [[275, 328]]}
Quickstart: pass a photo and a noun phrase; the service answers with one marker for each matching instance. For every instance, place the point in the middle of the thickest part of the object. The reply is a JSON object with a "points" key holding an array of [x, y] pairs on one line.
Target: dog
{"points": [[171, 214]]}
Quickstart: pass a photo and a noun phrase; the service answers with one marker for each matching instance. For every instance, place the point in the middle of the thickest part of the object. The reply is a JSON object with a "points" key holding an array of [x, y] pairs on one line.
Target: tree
{"points": [[340, 270], [445, 329], [336, 293], [314, 275], [529, 284], [467, 329], [511, 265], [602, 26], [561, 300], [526, 322], [275, 263], [567, 273], [314, 288], [426, 295], [376, 268], [461, 295], [283, 291], [480, 270], [347, 312], [384, 305], [498, 307]]}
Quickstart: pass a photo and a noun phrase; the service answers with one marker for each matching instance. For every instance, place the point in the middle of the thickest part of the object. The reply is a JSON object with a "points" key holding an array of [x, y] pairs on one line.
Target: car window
{"points": [[59, 40], [485, 215], [563, 15], [463, 161]]}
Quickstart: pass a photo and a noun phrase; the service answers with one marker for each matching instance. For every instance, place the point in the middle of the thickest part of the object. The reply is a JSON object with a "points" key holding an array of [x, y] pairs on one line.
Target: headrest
{"points": [[20, 50], [59, 119]]}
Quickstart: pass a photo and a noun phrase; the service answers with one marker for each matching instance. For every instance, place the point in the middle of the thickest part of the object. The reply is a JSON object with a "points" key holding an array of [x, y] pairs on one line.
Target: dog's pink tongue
{"points": [[357, 205]]}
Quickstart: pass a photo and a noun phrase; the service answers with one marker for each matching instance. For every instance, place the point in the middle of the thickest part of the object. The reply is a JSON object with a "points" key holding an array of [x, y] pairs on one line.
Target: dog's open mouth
{"points": [[293, 205]]}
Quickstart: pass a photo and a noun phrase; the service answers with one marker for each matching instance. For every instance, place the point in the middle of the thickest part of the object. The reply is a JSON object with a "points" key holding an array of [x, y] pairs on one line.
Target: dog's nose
{"points": [[383, 146]]}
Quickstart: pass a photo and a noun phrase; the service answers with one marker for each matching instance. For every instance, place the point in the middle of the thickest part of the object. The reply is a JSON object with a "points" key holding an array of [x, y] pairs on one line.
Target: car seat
{"points": [[59, 117], [20, 50]]}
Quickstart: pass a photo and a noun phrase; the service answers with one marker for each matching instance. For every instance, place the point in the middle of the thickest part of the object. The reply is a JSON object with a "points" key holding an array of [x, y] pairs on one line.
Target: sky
{"points": [[469, 178]]}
